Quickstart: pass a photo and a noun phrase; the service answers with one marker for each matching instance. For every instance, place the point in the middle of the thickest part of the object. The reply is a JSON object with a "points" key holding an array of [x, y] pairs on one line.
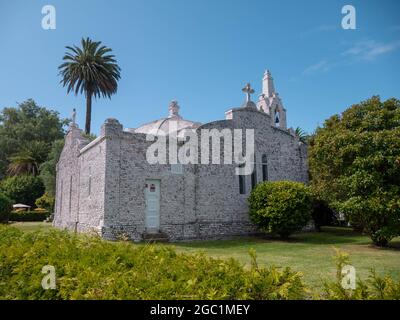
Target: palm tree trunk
{"points": [[88, 112]]}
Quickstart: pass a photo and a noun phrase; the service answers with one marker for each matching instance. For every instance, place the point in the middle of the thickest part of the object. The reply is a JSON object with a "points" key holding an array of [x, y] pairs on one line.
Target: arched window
{"points": [[265, 167], [242, 181], [254, 174], [277, 118]]}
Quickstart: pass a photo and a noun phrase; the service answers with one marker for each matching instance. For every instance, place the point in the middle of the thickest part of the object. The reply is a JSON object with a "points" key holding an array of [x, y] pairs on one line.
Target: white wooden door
{"points": [[152, 195]]}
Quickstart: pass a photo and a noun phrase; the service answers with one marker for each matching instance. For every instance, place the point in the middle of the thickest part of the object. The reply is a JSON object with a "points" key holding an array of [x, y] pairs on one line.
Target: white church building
{"points": [[109, 186]]}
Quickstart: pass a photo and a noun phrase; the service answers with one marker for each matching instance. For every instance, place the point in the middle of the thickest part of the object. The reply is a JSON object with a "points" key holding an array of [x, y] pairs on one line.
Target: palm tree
{"points": [[303, 136], [92, 70], [29, 159], [22, 164]]}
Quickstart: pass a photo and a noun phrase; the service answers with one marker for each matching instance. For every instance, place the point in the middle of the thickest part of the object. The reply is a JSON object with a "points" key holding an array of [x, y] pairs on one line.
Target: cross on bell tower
{"points": [[248, 90]]}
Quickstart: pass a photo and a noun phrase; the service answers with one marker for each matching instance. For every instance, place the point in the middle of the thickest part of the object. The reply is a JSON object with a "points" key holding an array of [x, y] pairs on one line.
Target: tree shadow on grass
{"points": [[222, 243], [327, 236], [393, 245], [330, 236]]}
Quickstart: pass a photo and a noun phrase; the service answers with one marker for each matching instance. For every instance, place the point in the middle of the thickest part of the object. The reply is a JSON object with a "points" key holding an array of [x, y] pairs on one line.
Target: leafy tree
{"points": [[22, 189], [48, 168], [90, 70], [281, 207], [355, 166], [28, 130], [5, 207], [45, 202]]}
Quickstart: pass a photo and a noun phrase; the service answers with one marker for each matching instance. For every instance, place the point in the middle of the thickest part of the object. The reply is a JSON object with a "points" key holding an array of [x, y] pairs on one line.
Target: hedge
{"points": [[88, 267], [29, 215]]}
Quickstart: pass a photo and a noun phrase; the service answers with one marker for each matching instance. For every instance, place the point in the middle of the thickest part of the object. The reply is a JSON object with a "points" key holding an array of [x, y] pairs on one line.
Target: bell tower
{"points": [[270, 102], [268, 84]]}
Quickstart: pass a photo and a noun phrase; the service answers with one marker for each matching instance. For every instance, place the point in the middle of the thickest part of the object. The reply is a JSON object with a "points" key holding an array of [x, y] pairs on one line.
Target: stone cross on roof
{"points": [[73, 117], [174, 109], [248, 90]]}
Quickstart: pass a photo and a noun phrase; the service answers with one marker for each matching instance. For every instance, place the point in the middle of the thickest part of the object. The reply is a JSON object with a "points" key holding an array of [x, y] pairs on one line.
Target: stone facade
{"points": [[101, 184]]}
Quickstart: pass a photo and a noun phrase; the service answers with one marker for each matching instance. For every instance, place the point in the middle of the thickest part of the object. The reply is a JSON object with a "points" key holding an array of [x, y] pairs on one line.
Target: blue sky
{"points": [[203, 52]]}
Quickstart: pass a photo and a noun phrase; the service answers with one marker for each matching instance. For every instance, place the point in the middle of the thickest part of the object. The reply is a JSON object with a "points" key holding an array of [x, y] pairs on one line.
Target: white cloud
{"points": [[362, 51], [321, 66], [370, 50]]}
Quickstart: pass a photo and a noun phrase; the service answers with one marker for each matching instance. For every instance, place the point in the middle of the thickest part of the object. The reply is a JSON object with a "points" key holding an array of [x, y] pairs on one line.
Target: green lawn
{"points": [[31, 226], [310, 253]]}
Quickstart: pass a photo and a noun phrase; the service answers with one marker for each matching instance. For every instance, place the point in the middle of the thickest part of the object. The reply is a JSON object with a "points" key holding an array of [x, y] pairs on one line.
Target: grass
{"points": [[310, 253], [31, 226]]}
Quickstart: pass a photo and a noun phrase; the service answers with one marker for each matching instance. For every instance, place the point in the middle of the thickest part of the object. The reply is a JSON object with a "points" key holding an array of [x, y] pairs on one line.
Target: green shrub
{"points": [[23, 189], [281, 207], [374, 288], [90, 268], [45, 202], [29, 215], [5, 208]]}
